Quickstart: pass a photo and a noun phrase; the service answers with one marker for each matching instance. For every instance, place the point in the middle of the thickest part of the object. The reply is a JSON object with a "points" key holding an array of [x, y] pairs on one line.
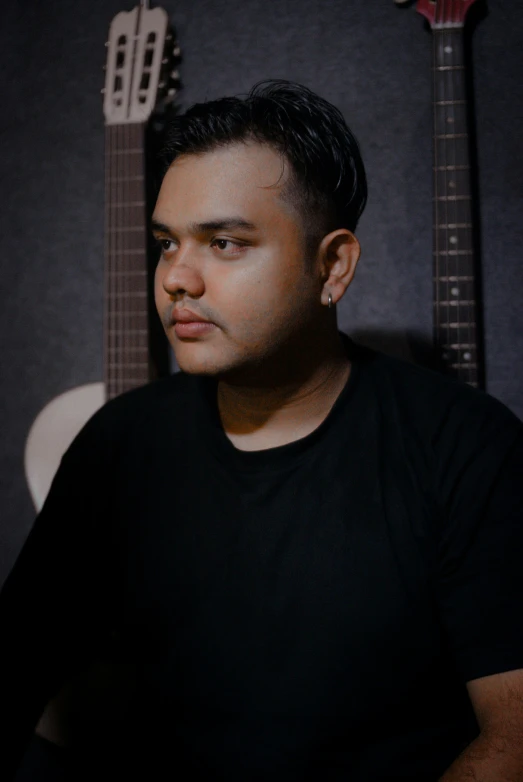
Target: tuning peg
{"points": [[106, 43], [161, 85], [177, 51], [175, 74], [103, 90], [165, 61], [172, 91]]}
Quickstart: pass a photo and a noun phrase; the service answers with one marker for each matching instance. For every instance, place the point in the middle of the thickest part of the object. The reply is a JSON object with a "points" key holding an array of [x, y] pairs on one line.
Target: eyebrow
{"points": [[223, 224]]}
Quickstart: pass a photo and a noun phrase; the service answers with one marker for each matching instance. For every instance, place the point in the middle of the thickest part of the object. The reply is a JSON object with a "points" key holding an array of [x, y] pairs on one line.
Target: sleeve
{"points": [[54, 603], [480, 568]]}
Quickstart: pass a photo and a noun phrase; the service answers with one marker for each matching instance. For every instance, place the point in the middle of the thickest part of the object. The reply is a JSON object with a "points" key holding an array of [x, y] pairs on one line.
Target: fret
{"points": [[462, 313], [119, 152], [451, 168], [127, 331], [456, 303], [455, 182], [451, 135], [456, 278], [467, 325], [453, 225], [122, 204], [464, 365], [453, 212], [132, 294], [453, 198], [450, 103], [459, 345], [126, 229], [129, 252], [129, 365], [133, 381], [449, 86], [448, 68], [120, 179], [129, 350], [122, 312], [453, 253]]}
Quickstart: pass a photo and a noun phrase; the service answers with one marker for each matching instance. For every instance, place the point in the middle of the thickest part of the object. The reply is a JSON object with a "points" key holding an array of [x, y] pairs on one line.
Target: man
{"points": [[309, 554]]}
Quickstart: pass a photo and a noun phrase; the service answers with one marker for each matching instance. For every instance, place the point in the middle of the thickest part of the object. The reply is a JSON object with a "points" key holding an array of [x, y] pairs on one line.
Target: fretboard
{"points": [[126, 306], [456, 331]]}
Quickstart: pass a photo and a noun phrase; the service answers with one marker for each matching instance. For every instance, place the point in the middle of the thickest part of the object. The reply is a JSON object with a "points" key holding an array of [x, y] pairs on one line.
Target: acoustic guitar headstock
{"points": [[140, 70]]}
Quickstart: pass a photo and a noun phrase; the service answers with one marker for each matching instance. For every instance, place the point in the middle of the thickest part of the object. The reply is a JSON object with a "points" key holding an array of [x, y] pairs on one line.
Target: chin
{"points": [[194, 361]]}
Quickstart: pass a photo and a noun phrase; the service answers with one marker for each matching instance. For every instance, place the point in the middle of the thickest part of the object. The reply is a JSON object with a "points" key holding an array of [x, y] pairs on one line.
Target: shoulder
{"points": [[124, 417], [430, 402]]}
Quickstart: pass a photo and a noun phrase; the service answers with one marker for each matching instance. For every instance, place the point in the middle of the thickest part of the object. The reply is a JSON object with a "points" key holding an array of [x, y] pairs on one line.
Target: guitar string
{"points": [[132, 333], [441, 173], [467, 292], [446, 96], [450, 176], [446, 83], [436, 211], [450, 45], [121, 156], [127, 302], [107, 260], [114, 246], [469, 265], [450, 42], [460, 207], [115, 318]]}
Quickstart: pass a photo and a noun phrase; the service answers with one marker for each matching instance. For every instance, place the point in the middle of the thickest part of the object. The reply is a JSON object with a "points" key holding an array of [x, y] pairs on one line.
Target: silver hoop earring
{"points": [[329, 305]]}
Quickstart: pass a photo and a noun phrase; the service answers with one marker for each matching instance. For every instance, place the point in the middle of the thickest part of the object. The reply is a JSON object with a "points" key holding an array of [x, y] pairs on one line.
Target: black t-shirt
{"points": [[311, 611]]}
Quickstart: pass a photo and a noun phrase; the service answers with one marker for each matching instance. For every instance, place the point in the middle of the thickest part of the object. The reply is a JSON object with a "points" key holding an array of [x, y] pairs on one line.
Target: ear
{"points": [[338, 254]]}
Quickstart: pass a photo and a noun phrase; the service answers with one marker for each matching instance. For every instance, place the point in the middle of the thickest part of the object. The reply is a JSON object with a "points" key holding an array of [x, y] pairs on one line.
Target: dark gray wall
{"points": [[366, 56]]}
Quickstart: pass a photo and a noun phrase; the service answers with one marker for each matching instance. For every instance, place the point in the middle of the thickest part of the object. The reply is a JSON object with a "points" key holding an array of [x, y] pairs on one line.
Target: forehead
{"points": [[246, 178]]}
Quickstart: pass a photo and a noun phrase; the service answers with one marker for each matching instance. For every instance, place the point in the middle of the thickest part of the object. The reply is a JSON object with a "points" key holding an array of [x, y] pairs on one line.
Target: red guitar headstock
{"points": [[444, 13]]}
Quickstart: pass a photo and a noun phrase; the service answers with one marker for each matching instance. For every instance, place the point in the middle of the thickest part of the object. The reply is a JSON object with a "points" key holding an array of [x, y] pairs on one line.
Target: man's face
{"points": [[233, 255]]}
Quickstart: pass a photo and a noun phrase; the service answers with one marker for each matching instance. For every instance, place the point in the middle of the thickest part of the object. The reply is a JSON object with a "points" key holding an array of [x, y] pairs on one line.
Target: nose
{"points": [[182, 275]]}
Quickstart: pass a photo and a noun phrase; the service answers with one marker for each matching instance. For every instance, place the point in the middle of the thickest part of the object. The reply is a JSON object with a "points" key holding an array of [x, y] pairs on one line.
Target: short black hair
{"points": [[328, 185]]}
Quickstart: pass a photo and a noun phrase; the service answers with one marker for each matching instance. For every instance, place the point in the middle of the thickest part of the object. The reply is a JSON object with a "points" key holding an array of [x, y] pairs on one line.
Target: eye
{"points": [[227, 245], [165, 245]]}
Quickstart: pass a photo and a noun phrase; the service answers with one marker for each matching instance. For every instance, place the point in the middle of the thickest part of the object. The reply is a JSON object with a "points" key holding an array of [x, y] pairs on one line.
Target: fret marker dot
{"points": [[450, 120], [448, 49], [454, 291], [467, 356], [452, 183], [453, 239]]}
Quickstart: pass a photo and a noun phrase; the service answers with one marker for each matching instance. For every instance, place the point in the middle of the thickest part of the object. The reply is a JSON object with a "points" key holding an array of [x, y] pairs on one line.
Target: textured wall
{"points": [[369, 58]]}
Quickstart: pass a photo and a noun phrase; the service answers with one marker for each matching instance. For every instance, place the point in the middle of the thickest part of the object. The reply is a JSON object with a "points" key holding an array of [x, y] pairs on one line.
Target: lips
{"points": [[186, 316], [188, 325]]}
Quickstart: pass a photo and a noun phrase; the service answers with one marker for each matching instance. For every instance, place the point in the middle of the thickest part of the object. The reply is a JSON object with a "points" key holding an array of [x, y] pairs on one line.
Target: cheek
{"points": [[161, 298]]}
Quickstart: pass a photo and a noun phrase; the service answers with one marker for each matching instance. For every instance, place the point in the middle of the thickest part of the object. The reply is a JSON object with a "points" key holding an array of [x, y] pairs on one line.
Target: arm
{"points": [[497, 753], [51, 606]]}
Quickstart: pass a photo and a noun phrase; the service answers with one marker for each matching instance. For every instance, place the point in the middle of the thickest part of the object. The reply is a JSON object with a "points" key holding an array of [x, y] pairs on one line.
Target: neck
{"points": [[293, 400]]}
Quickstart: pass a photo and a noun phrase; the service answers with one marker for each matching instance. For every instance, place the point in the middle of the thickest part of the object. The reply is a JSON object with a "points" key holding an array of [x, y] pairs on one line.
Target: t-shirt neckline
{"points": [[279, 456]]}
